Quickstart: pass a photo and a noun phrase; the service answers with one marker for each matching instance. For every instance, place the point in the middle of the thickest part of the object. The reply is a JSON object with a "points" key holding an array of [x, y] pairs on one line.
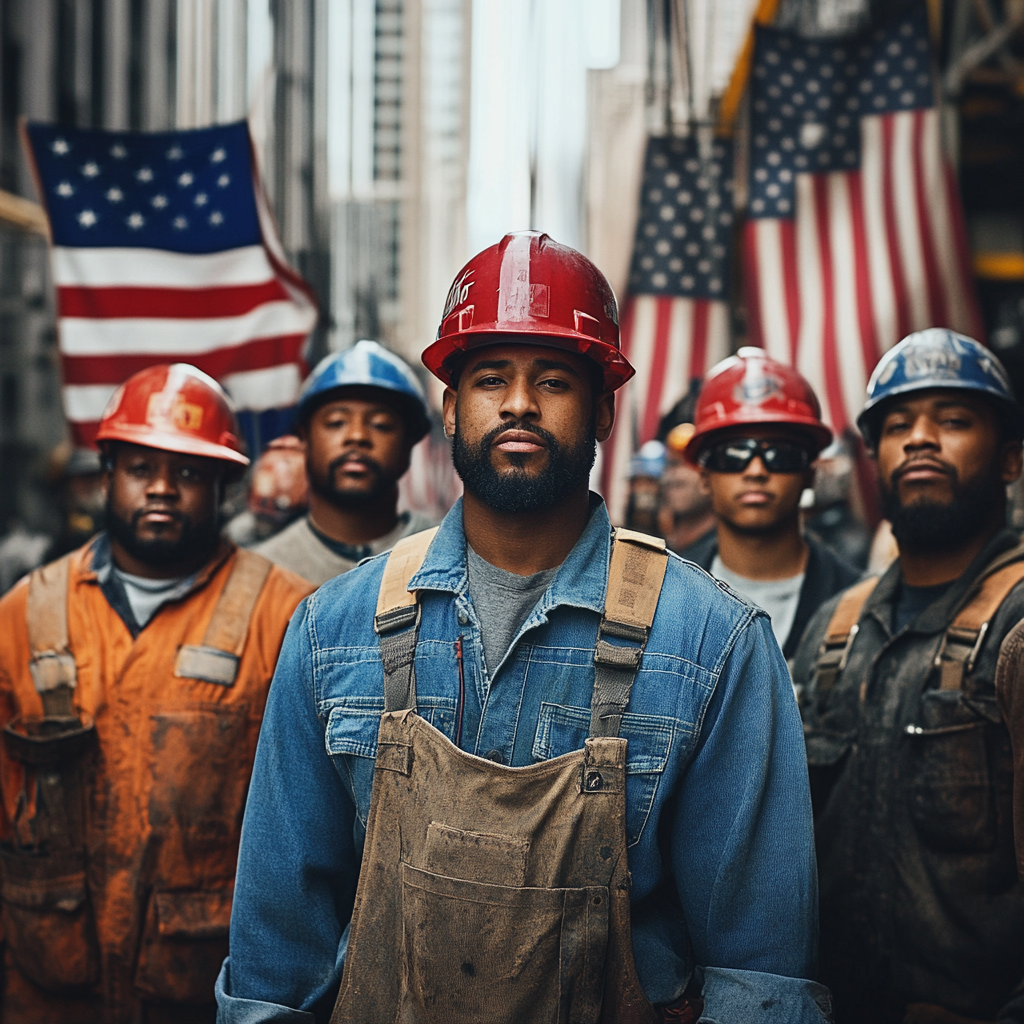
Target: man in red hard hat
{"points": [[133, 676], [757, 433], [585, 765]]}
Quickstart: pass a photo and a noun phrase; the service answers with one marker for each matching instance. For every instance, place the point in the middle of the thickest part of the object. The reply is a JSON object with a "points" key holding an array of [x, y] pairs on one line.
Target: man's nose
{"points": [[756, 468], [163, 483], [923, 434], [519, 400]]}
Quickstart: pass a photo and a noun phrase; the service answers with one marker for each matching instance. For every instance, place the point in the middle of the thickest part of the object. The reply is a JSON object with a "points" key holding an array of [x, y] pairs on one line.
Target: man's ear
{"points": [[448, 411], [1012, 461], [705, 482], [604, 416]]}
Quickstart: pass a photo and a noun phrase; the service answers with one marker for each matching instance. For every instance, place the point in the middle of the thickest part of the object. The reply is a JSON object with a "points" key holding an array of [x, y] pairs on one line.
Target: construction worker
{"points": [[133, 675], [922, 916], [360, 413], [553, 752], [757, 433]]}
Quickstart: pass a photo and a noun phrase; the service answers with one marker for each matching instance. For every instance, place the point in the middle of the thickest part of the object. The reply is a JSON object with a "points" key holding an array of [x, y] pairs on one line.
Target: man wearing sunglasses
{"points": [[758, 431], [908, 743]]}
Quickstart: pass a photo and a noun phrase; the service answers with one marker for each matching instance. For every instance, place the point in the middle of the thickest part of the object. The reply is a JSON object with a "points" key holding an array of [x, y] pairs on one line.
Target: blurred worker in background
{"points": [[909, 754], [586, 767], [685, 515], [133, 675], [830, 517], [278, 493], [360, 412], [645, 469], [757, 433]]}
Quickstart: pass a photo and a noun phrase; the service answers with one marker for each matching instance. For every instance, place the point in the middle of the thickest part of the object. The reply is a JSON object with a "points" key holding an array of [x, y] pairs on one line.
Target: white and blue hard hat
{"points": [[648, 461], [368, 364], [938, 358]]}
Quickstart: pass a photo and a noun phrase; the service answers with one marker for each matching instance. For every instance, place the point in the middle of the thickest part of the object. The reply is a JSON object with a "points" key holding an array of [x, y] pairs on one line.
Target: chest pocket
{"points": [[649, 742], [960, 773], [351, 738]]}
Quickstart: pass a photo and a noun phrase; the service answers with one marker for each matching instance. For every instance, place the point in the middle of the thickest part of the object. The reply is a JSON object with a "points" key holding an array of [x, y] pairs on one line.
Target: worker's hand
{"points": [[929, 1013]]}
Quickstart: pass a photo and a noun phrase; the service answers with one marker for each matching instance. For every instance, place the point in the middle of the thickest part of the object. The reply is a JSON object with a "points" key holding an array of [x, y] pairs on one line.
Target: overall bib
{"points": [[489, 894]]}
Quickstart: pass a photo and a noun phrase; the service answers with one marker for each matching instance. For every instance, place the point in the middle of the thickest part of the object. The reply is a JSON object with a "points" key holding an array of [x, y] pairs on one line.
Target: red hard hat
{"points": [[752, 389], [177, 408], [279, 487], [529, 288]]}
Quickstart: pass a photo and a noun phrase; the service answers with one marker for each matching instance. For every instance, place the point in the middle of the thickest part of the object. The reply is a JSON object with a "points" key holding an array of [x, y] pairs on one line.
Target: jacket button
{"points": [[495, 756], [594, 780], [463, 617]]}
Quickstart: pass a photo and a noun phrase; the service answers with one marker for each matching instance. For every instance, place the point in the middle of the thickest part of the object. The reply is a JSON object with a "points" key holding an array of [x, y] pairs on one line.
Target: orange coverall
{"points": [[164, 796]]}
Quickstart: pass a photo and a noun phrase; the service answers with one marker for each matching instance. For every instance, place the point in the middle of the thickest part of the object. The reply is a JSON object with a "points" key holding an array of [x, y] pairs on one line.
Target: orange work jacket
{"points": [[164, 792]]}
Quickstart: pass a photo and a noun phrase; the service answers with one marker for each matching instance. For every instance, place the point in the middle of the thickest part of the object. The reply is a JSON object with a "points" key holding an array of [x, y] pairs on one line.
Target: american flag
{"points": [[855, 234], [164, 250], [675, 322]]}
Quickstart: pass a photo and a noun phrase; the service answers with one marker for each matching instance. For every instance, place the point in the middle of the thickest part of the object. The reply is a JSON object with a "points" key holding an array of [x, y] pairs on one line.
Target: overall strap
{"points": [[397, 622], [216, 659], [839, 636], [52, 665], [965, 635], [635, 575]]}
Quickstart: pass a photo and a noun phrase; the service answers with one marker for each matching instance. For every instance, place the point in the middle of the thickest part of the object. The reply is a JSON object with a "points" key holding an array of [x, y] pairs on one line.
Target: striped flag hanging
{"points": [[164, 250], [675, 322], [855, 234]]}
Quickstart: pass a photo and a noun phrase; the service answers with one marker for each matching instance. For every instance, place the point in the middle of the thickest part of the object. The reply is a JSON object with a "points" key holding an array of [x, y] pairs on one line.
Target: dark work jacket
{"points": [[919, 897], [826, 574]]}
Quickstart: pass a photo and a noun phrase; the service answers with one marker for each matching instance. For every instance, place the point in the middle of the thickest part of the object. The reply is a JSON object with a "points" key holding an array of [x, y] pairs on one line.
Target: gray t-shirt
{"points": [[502, 600], [146, 596], [778, 598]]}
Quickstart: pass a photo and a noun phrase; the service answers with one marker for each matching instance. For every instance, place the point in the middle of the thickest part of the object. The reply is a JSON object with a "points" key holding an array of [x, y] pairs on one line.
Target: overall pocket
{"points": [[475, 951], [49, 926], [184, 943], [951, 796]]}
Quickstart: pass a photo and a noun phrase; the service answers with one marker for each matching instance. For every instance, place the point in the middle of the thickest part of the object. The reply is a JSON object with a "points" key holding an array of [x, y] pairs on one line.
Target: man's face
{"points": [[943, 466], [525, 421], [162, 507], [681, 491], [356, 448], [755, 500]]}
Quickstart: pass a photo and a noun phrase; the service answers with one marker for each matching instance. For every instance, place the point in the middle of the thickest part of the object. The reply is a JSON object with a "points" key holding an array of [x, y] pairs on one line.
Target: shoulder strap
{"points": [[52, 665], [965, 635], [636, 573], [840, 633], [216, 659], [397, 621]]}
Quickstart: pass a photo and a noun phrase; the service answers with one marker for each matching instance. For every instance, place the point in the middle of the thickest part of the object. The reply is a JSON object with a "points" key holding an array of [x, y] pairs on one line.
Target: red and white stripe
{"points": [[669, 341], [242, 315], [870, 256]]}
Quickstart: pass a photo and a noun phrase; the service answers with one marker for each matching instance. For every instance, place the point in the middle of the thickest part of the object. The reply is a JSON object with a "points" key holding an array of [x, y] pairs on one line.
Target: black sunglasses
{"points": [[734, 456]]}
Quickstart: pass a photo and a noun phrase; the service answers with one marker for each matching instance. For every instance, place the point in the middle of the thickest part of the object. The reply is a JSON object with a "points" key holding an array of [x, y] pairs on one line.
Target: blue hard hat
{"points": [[370, 365], [938, 358], [648, 461]]}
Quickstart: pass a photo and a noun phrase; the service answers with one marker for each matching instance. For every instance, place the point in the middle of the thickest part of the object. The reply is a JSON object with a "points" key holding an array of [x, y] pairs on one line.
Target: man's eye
{"points": [[188, 473], [384, 426], [490, 382], [139, 469], [894, 428], [554, 384], [956, 422]]}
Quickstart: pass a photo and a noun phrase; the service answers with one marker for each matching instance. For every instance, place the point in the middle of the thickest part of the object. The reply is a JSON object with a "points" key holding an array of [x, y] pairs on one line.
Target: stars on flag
{"points": [[87, 218], [135, 221], [114, 195], [60, 147], [65, 189]]}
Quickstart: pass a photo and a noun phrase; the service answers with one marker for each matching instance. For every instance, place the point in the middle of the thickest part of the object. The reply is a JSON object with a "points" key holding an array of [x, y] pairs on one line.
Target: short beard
{"points": [[928, 527], [323, 485], [196, 543], [517, 491]]}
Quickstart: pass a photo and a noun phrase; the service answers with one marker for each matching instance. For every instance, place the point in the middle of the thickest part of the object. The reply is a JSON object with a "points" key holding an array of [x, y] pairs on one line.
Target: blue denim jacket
{"points": [[719, 832]]}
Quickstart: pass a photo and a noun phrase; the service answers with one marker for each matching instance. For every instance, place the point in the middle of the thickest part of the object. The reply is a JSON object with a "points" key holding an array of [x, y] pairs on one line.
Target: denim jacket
{"points": [[719, 829]]}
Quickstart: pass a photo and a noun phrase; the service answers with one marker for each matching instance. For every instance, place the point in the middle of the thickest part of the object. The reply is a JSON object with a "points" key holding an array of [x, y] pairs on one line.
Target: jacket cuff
{"points": [[736, 997], [232, 1010]]}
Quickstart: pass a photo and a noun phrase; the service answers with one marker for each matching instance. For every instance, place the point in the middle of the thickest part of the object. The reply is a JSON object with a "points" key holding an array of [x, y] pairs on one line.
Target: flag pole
{"points": [[729, 108]]}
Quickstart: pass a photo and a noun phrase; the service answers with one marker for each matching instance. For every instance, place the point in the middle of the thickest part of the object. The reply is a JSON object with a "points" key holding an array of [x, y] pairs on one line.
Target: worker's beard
{"points": [[516, 490], [195, 542], [927, 527], [346, 497]]}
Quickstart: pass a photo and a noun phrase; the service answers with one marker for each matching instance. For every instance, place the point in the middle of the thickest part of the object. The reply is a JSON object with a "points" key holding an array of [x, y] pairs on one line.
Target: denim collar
{"points": [[580, 582]]}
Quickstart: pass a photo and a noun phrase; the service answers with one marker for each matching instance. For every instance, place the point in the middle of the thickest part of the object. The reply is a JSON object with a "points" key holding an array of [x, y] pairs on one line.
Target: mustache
{"points": [[364, 460], [900, 471], [527, 428], [177, 516]]}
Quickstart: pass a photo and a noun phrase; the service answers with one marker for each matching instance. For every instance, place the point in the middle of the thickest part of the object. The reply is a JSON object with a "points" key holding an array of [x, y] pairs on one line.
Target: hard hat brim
{"points": [[439, 358], [149, 438]]}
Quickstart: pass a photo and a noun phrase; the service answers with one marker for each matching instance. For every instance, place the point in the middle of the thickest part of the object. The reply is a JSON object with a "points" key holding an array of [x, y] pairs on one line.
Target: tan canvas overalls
{"points": [[489, 894]]}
